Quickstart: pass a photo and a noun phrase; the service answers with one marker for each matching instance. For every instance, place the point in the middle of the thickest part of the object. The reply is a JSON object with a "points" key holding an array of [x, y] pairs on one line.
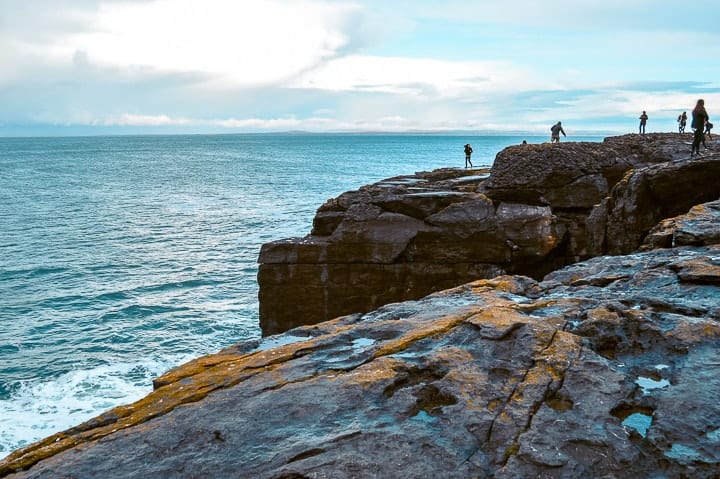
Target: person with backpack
{"points": [[468, 153], [555, 131], [682, 121]]}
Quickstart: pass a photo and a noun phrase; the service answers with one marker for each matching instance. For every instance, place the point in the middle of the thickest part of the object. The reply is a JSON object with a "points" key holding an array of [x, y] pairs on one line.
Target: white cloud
{"points": [[412, 76], [249, 42], [323, 65], [127, 119], [313, 123]]}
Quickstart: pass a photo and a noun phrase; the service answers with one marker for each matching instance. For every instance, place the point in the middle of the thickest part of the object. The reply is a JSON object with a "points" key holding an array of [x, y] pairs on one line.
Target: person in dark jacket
{"points": [[643, 122], [699, 118], [682, 121], [555, 131], [468, 154]]}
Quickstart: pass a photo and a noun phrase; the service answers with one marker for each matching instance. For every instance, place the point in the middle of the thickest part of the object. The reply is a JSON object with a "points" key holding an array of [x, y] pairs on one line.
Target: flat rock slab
{"points": [[607, 368]]}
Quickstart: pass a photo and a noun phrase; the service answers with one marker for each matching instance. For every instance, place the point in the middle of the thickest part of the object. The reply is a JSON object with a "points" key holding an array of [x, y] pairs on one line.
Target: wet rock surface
{"points": [[606, 368], [539, 208]]}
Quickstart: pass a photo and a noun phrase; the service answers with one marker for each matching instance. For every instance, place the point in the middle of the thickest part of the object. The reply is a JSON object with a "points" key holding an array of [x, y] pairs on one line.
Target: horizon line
{"points": [[455, 132]]}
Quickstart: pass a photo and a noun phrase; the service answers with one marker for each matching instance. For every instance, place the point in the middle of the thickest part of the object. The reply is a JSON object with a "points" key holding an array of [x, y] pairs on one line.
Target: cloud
{"points": [[411, 76], [127, 119], [249, 43], [321, 65], [253, 42]]}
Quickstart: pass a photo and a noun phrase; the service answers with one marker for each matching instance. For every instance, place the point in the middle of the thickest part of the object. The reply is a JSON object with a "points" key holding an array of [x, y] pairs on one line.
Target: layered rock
{"points": [[648, 195], [698, 227], [606, 368], [540, 207]]}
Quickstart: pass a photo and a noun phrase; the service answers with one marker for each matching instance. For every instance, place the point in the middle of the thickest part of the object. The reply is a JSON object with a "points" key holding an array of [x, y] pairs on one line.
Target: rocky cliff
{"points": [[541, 207], [605, 368]]}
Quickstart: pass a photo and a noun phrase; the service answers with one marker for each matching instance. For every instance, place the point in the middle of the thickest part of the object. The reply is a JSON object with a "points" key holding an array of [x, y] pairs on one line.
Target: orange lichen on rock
{"points": [[188, 383], [431, 328]]}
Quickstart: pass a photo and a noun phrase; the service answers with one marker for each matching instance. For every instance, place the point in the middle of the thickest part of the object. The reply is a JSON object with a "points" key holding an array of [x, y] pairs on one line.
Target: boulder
{"points": [[699, 226], [577, 174]]}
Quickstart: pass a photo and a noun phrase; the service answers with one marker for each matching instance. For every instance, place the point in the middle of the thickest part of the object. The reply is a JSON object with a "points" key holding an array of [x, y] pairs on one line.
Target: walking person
{"points": [[699, 119], [682, 121], [468, 154], [643, 122], [555, 131]]}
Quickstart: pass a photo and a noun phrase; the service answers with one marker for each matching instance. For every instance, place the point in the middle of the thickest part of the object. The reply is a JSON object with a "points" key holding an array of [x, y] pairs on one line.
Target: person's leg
{"points": [[697, 138]]}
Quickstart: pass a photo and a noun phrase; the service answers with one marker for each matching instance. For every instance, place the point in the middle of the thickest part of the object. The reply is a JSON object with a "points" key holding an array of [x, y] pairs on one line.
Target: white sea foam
{"points": [[38, 410]]}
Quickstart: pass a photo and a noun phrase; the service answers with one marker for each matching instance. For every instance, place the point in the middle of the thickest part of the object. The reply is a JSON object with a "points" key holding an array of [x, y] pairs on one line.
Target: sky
{"points": [[244, 66]]}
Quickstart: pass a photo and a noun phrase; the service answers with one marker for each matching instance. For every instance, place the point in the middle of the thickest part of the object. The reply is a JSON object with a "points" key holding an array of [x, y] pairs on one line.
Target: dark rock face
{"points": [[698, 227], [399, 239], [541, 207], [607, 368], [647, 196]]}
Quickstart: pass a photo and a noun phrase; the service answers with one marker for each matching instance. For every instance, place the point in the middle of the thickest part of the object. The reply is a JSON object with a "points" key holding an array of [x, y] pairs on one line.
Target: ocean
{"points": [[124, 256]]}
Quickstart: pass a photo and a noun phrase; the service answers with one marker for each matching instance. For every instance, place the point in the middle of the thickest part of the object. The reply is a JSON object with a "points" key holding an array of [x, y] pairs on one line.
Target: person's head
{"points": [[700, 104], [559, 123], [643, 112]]}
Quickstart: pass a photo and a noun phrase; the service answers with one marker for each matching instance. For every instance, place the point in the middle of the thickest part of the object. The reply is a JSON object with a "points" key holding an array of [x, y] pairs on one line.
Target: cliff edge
{"points": [[539, 208]]}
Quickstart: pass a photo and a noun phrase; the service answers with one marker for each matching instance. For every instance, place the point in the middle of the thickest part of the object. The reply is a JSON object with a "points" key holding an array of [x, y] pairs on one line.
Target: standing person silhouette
{"points": [[643, 122], [468, 154], [682, 121], [699, 118], [708, 127], [555, 131]]}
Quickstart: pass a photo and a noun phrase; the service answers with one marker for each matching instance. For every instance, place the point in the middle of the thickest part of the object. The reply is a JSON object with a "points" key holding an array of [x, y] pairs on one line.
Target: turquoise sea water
{"points": [[121, 257]]}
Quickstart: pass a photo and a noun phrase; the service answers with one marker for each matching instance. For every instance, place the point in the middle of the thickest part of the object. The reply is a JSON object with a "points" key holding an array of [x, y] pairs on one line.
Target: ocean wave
{"points": [[35, 410], [27, 273]]}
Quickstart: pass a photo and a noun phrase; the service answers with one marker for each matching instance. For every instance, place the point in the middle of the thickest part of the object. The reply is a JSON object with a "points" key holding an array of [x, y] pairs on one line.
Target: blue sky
{"points": [[232, 66]]}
